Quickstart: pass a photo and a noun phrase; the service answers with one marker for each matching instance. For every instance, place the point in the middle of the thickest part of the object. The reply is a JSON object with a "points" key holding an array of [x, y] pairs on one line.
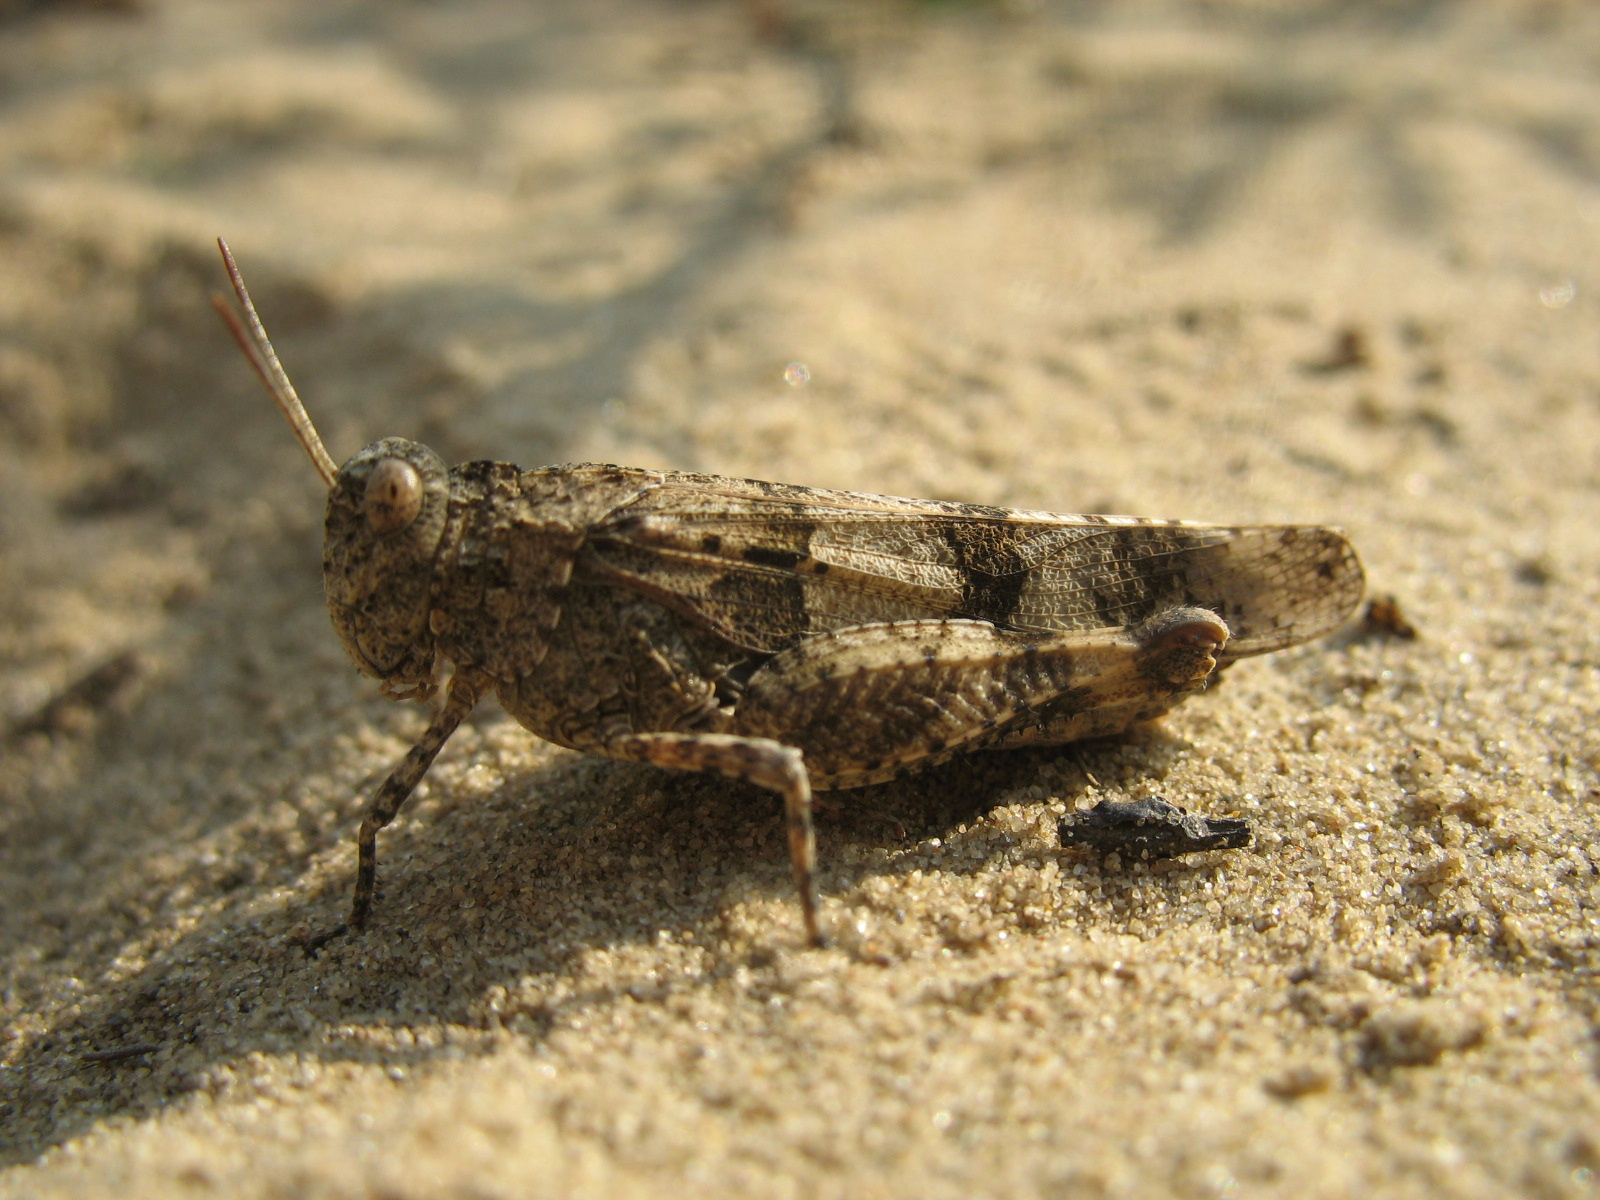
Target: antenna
{"points": [[252, 338]]}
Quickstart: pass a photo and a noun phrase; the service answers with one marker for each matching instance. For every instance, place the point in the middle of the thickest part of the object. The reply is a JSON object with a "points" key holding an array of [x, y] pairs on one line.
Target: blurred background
{"points": [[1022, 253]]}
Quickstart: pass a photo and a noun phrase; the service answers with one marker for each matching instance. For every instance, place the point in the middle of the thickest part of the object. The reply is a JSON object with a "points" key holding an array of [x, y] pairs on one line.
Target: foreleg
{"points": [[465, 689]]}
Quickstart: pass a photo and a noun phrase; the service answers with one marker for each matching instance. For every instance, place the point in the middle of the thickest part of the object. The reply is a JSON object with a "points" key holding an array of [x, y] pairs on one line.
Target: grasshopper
{"points": [[791, 637]]}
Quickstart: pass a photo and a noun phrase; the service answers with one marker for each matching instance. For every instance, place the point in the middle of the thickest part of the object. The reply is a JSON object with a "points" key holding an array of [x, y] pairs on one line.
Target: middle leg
{"points": [[762, 761]]}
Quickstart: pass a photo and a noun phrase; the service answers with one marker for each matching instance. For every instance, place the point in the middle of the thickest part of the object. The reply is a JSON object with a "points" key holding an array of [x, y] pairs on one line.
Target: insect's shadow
{"points": [[523, 885], [586, 852]]}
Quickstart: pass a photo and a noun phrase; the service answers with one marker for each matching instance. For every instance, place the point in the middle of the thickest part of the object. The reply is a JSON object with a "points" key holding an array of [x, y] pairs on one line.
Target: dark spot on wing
{"points": [[767, 556], [1138, 572], [758, 611], [994, 572], [761, 609]]}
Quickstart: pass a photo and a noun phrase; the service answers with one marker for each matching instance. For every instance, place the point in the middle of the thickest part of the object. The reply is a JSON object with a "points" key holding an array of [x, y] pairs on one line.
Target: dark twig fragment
{"points": [[1151, 828]]}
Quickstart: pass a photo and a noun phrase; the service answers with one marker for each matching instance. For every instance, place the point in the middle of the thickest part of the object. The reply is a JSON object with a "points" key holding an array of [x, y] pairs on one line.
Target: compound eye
{"points": [[393, 497]]}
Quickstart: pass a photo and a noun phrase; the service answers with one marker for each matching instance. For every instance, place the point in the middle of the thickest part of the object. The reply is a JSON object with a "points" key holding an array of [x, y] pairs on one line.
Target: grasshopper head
{"points": [[386, 518]]}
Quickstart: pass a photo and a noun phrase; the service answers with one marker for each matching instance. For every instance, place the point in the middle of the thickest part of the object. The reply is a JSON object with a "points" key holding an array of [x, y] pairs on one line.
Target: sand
{"points": [[1234, 263]]}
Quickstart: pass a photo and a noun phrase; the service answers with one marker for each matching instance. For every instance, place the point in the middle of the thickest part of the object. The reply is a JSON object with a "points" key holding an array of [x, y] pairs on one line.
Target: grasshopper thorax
{"points": [[386, 519]]}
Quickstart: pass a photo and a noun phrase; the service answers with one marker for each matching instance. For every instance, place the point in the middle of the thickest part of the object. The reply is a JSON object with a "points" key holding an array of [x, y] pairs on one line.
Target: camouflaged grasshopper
{"points": [[791, 637]]}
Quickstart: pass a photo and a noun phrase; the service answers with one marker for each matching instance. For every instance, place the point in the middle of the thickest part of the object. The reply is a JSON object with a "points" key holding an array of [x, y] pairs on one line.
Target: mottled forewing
{"points": [[766, 564]]}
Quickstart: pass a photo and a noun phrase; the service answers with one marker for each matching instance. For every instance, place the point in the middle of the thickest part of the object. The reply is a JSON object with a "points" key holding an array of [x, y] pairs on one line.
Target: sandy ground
{"points": [[1229, 263]]}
